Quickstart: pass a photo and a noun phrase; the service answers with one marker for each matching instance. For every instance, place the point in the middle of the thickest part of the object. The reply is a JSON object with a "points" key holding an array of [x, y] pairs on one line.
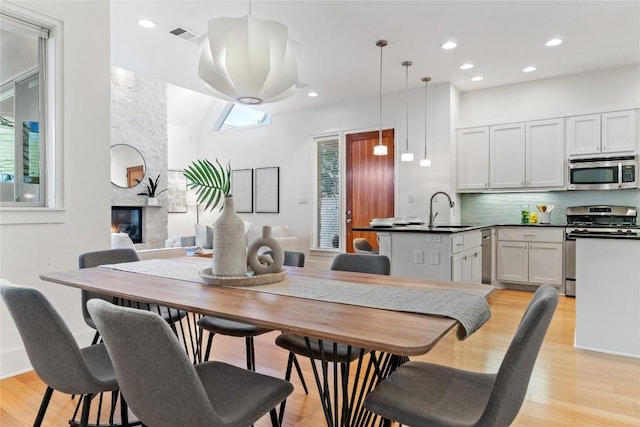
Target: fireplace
{"points": [[127, 219]]}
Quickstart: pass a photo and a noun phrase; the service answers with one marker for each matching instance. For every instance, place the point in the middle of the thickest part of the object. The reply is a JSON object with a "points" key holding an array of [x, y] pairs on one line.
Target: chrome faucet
{"points": [[431, 215]]}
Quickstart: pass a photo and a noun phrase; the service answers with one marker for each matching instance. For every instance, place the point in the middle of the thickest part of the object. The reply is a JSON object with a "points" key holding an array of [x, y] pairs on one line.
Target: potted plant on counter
{"points": [[151, 190]]}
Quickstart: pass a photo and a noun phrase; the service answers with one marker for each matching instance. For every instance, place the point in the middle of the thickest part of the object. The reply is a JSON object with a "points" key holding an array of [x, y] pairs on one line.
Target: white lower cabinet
{"points": [[529, 256], [467, 266]]}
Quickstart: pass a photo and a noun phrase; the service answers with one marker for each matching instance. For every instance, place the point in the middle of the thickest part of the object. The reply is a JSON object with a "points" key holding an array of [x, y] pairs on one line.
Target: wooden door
{"points": [[133, 173], [369, 184]]}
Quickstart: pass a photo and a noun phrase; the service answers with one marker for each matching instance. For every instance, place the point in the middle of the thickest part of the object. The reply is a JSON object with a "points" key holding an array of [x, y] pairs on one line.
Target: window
{"points": [[328, 197], [22, 119], [236, 116]]}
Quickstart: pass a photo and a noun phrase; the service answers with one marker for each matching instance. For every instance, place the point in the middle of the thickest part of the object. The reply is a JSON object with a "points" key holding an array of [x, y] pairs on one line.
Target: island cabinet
{"points": [[431, 255], [530, 256], [607, 133]]}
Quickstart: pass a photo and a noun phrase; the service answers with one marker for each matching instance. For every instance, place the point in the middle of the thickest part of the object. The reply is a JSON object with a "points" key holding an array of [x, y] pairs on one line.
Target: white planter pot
{"points": [[152, 201]]}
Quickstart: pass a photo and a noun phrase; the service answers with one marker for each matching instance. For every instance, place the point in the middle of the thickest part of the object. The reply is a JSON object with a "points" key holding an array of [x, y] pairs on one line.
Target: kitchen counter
{"points": [[448, 229]]}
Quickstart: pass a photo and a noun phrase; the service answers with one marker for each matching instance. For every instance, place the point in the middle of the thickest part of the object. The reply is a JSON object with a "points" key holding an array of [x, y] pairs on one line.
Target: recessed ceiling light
{"points": [[312, 94], [449, 45], [146, 23], [466, 66], [477, 78], [553, 42], [529, 69]]}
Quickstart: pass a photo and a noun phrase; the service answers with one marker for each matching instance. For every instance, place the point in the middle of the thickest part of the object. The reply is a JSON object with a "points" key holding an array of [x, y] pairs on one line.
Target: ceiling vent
{"points": [[185, 34]]}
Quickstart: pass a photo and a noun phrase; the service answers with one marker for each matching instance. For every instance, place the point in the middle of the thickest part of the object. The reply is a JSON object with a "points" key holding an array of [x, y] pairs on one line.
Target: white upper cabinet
{"points": [[619, 132], [507, 156], [545, 161], [472, 159], [607, 133]]}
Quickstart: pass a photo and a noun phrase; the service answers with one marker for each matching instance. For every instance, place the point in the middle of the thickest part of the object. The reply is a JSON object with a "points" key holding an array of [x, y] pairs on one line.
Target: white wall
{"points": [[568, 95], [28, 250]]}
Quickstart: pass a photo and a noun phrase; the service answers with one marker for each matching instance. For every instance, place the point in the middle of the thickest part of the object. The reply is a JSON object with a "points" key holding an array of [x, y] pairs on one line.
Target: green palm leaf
{"points": [[211, 182]]}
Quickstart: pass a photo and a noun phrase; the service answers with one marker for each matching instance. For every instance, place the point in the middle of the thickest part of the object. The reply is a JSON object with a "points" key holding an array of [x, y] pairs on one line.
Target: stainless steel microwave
{"points": [[603, 173]]}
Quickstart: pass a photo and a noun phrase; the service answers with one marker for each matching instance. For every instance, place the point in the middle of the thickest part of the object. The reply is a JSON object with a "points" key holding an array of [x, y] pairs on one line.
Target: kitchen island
{"points": [[443, 252], [608, 298]]}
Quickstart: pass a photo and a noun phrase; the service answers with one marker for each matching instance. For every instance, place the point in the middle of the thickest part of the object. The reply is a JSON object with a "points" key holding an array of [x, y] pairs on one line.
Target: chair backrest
{"points": [[94, 259], [513, 376], [154, 372], [292, 258], [374, 264], [51, 348], [361, 244]]}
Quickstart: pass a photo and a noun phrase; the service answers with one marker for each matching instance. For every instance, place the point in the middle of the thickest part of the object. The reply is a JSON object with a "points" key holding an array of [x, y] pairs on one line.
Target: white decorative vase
{"points": [[229, 243], [263, 265], [152, 201]]}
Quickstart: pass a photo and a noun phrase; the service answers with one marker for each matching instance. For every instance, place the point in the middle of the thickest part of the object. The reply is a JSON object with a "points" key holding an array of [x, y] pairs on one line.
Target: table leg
{"points": [[342, 406]]}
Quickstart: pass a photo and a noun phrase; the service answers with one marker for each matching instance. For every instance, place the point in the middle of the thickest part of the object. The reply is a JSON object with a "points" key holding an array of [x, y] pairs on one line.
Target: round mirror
{"points": [[127, 165]]}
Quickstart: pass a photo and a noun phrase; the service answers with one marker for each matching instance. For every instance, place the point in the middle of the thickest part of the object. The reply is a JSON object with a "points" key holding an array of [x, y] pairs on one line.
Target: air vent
{"points": [[185, 34]]}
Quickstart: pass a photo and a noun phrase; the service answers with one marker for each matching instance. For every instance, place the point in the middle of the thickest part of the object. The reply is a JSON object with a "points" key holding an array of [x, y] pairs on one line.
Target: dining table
{"points": [[390, 336]]}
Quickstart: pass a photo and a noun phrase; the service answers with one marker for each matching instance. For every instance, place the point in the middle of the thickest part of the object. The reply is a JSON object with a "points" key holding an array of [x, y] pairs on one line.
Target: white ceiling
{"points": [[339, 57]]}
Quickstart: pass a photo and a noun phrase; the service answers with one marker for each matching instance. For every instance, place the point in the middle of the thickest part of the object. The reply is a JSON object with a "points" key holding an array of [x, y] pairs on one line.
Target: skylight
{"points": [[237, 116]]}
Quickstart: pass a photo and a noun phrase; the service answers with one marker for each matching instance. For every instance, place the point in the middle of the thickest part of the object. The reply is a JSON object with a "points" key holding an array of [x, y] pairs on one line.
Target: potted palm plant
{"points": [[151, 190], [212, 183]]}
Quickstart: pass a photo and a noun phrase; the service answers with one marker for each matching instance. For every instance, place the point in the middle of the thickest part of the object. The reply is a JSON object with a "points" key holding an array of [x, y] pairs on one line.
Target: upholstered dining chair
{"points": [[217, 325], [362, 246], [117, 256], [55, 355], [421, 393], [162, 386], [327, 351]]}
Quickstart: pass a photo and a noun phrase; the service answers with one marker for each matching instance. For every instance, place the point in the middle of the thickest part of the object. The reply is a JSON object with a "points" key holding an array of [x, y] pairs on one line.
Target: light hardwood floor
{"points": [[568, 387]]}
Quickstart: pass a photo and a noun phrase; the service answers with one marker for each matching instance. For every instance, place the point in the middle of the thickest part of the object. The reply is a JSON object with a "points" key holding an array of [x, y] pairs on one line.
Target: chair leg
{"points": [[43, 407], [287, 377], [299, 370], [84, 421], [124, 413], [209, 341], [274, 418], [95, 338], [251, 354]]}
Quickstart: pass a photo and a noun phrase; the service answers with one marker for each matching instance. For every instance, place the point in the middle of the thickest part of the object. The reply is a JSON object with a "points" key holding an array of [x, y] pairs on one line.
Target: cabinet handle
{"points": [[528, 235], [475, 255]]}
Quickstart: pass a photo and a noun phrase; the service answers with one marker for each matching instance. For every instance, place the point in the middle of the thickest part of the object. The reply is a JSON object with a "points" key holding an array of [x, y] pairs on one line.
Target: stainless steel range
{"points": [[606, 221]]}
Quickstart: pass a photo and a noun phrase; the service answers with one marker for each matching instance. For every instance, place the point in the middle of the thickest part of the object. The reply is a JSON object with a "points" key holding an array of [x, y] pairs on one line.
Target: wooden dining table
{"points": [[396, 334]]}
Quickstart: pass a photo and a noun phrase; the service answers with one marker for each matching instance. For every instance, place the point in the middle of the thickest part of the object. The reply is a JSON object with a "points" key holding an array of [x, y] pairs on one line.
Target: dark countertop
{"points": [[447, 229]]}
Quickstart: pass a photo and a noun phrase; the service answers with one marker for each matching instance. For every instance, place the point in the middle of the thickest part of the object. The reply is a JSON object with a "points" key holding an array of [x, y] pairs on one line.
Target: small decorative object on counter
{"points": [[533, 218], [263, 264], [229, 243], [524, 214], [544, 218]]}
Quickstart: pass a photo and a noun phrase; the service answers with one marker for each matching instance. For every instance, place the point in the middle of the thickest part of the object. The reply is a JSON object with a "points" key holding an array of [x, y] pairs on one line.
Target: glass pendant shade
{"points": [[425, 163], [380, 150], [248, 60], [406, 157]]}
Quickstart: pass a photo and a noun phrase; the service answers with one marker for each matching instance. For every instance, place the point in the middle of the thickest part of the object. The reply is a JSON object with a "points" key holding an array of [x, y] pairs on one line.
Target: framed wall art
{"points": [[268, 190], [176, 191], [242, 190]]}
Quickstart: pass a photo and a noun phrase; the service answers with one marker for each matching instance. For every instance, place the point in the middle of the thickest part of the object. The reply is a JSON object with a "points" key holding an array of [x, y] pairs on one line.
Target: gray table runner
{"points": [[471, 311]]}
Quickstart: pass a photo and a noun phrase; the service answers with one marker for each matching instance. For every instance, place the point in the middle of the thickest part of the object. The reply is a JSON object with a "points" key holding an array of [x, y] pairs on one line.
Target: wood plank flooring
{"points": [[568, 387]]}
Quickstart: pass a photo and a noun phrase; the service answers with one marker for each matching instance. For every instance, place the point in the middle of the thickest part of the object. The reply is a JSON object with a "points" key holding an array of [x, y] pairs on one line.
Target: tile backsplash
{"points": [[504, 208]]}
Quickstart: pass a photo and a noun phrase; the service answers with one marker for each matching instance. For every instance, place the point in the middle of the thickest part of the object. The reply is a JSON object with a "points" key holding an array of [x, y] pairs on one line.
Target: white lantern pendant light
{"points": [[248, 60], [380, 149], [407, 156], [426, 162]]}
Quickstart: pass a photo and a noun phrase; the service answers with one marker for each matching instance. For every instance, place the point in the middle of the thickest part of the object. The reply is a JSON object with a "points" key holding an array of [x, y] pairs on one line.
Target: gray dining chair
{"points": [[421, 393], [164, 389], [117, 256], [362, 246], [327, 351], [358, 263], [217, 325], [55, 355]]}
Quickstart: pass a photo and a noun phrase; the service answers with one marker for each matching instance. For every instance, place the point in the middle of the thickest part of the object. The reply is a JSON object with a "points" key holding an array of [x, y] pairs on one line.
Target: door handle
{"points": [[348, 212], [348, 220]]}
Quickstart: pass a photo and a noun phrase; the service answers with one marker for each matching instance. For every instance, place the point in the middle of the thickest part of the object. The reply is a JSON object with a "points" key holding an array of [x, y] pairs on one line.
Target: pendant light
{"points": [[249, 60], [426, 162], [407, 156], [380, 149]]}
